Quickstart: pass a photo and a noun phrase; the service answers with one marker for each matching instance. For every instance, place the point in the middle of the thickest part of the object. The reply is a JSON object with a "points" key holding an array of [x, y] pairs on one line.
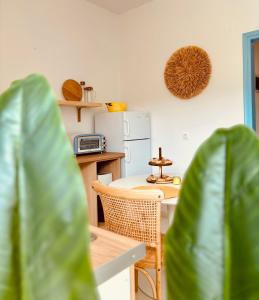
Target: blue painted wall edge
{"points": [[248, 78]]}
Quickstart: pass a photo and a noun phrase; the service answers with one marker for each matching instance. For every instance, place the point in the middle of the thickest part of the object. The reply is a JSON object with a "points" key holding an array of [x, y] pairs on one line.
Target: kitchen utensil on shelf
{"points": [[89, 94], [82, 83], [116, 106], [72, 90], [160, 162]]}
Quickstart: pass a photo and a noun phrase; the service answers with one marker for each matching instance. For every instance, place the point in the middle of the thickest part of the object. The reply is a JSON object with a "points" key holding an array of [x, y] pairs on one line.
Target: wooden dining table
{"points": [[131, 182]]}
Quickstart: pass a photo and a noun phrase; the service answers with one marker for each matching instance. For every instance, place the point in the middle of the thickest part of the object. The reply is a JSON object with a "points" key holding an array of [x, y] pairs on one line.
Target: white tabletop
{"points": [[134, 181]]}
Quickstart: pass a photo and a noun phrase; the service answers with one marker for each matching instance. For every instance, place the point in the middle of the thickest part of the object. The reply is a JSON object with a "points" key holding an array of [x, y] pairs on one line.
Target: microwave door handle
{"points": [[126, 127]]}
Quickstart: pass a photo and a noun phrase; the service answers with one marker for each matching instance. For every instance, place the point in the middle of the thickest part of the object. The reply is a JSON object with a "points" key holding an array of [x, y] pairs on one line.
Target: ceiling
{"points": [[119, 6]]}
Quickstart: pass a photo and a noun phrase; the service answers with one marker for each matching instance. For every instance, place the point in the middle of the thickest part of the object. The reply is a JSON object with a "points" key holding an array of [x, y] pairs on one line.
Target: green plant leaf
{"points": [[212, 248], [43, 238]]}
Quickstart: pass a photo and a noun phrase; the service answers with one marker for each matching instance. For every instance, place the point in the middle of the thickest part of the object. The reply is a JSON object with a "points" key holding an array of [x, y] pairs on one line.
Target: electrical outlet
{"points": [[186, 136]]}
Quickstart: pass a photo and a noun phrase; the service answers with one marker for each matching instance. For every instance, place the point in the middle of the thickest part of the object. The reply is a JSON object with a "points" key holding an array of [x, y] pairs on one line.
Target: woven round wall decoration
{"points": [[187, 72]]}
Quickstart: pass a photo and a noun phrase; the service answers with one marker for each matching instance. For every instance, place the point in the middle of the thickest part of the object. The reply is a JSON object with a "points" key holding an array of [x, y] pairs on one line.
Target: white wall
{"points": [[61, 39], [124, 56], [256, 62], [151, 33]]}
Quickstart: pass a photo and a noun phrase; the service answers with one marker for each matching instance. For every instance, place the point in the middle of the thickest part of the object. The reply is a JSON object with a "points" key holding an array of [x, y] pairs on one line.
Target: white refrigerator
{"points": [[127, 132]]}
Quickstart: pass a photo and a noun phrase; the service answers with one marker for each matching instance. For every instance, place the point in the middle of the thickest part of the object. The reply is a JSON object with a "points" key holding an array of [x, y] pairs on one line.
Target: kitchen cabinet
{"points": [[93, 164]]}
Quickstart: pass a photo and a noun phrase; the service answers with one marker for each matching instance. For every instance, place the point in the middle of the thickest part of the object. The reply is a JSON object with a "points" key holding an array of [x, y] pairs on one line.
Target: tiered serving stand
{"points": [[160, 162]]}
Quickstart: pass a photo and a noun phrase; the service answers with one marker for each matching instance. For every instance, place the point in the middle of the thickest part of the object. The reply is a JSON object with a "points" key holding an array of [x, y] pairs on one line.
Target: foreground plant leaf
{"points": [[212, 249], [43, 240]]}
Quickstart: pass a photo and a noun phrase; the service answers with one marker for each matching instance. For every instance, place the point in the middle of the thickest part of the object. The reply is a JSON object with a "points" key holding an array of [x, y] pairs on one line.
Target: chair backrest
{"points": [[132, 213]]}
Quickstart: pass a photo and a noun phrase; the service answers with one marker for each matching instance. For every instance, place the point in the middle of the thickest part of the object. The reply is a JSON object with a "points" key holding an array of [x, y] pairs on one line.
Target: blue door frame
{"points": [[248, 77]]}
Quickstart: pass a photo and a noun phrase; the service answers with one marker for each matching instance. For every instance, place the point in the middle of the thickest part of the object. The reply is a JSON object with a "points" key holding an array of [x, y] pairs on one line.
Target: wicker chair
{"points": [[136, 214]]}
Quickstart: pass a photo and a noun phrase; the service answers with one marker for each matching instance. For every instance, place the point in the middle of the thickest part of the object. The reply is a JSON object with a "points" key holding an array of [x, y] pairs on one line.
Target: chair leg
{"points": [[158, 283], [136, 280], [158, 272]]}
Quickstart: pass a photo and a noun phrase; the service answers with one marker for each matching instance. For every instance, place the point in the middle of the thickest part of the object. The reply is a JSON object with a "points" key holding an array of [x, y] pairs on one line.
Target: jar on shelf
{"points": [[82, 83], [89, 94]]}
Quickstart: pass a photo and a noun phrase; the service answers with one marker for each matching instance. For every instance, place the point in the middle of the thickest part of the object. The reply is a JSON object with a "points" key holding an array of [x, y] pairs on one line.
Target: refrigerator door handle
{"points": [[126, 127], [127, 155]]}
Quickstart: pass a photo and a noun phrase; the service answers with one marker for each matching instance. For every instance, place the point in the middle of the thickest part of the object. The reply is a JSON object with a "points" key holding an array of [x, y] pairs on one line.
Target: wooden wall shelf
{"points": [[79, 105]]}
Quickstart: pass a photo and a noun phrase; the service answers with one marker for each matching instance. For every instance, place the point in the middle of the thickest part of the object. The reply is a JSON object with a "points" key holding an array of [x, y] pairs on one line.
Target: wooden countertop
{"points": [[111, 253], [87, 158]]}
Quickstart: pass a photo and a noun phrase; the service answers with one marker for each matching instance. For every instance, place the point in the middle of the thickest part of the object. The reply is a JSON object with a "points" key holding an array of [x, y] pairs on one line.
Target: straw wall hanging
{"points": [[187, 72]]}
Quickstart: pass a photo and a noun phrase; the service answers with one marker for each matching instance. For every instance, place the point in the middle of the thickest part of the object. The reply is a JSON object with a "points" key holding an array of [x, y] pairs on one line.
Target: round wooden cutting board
{"points": [[72, 90]]}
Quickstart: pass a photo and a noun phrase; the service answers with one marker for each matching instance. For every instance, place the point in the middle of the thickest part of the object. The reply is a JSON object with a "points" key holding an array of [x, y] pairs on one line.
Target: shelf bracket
{"points": [[79, 114], [79, 105]]}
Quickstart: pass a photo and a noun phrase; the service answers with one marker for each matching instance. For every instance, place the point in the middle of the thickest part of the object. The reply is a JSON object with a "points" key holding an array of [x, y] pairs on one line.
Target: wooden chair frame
{"points": [[136, 214]]}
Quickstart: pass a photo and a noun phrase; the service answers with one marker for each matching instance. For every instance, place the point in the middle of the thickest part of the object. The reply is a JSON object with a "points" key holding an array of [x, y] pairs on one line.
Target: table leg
{"points": [[170, 214], [132, 283]]}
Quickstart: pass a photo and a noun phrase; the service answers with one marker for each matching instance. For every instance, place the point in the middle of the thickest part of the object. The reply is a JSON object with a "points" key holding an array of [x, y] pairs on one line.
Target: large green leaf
{"points": [[43, 239], [212, 249]]}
